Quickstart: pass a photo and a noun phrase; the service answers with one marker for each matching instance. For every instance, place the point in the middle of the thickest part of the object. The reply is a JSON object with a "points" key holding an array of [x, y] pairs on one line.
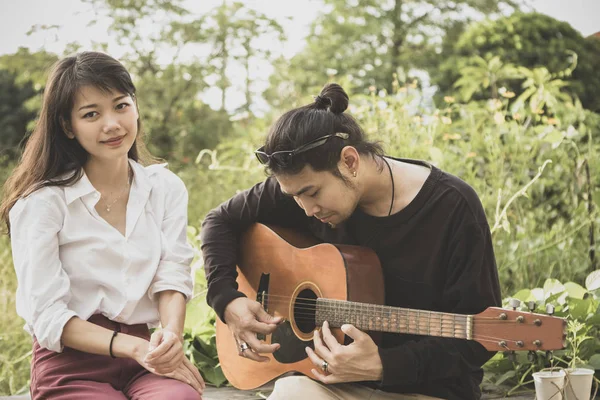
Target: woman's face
{"points": [[104, 123]]}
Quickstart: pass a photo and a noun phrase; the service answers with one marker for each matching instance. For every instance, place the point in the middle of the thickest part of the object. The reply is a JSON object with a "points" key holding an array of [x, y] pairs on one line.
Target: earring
{"points": [[354, 174]]}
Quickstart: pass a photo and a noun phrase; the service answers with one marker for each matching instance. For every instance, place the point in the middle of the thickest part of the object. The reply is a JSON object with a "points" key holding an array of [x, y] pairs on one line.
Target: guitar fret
{"points": [[429, 323], [383, 318], [454, 325]]}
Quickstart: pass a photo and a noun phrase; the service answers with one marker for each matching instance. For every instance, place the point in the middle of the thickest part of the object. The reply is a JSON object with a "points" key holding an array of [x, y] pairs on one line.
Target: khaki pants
{"points": [[304, 388]]}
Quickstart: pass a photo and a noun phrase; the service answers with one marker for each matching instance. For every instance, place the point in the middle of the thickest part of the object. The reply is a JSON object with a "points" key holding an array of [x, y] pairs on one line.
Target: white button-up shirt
{"points": [[71, 262]]}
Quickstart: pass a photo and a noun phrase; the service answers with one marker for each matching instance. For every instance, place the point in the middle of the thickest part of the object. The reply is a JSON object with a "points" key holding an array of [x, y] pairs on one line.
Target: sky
{"points": [[17, 18]]}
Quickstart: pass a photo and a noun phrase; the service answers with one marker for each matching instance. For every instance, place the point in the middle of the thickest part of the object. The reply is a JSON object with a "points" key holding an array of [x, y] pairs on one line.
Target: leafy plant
{"points": [[581, 307]]}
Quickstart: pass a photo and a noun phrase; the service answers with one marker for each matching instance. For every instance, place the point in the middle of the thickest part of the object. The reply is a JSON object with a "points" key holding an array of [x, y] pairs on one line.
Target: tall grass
{"points": [[15, 343]]}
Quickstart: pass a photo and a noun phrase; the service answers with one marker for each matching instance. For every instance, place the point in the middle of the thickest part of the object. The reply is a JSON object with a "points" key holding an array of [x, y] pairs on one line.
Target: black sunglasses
{"points": [[284, 158]]}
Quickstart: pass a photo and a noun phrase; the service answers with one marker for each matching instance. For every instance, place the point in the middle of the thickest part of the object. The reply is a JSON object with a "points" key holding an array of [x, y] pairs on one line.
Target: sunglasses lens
{"points": [[262, 157], [283, 158]]}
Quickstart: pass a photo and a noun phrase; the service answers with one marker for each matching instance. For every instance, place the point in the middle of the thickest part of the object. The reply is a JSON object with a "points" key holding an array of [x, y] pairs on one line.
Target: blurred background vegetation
{"points": [[504, 98]]}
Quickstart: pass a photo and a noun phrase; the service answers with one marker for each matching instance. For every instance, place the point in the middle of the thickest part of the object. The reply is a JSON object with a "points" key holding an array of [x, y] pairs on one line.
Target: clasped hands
{"points": [[165, 357], [358, 361]]}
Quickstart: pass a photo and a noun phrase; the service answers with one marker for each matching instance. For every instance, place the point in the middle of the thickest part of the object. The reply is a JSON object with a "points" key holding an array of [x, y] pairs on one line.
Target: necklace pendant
{"points": [[107, 209]]}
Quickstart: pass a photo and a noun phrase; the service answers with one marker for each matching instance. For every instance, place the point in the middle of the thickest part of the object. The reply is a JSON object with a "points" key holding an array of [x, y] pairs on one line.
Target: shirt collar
{"points": [[81, 188], [141, 180]]}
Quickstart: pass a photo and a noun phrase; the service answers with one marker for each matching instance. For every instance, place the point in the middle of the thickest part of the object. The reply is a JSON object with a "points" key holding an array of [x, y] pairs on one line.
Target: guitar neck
{"points": [[370, 317]]}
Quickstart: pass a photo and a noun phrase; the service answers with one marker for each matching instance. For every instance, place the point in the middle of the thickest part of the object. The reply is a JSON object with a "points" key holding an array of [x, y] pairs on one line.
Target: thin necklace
{"points": [[393, 188], [107, 204]]}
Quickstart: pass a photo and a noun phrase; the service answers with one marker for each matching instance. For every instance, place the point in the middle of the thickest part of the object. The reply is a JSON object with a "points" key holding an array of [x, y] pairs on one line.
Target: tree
{"points": [[169, 94], [14, 114], [530, 40], [233, 32], [22, 80], [368, 40]]}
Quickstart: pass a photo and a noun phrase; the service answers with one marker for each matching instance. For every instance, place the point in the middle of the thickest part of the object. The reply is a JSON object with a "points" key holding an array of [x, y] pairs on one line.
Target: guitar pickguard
{"points": [[292, 348]]}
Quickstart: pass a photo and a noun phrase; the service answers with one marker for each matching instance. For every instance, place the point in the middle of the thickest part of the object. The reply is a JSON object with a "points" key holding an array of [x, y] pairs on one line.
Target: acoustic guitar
{"points": [[307, 283]]}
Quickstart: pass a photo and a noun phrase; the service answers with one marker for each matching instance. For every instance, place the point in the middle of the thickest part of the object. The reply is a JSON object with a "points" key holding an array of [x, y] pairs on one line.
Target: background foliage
{"points": [[515, 116]]}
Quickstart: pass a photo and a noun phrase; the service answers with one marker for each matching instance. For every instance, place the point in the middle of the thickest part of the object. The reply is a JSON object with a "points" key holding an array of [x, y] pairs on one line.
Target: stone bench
{"points": [[211, 393], [230, 393]]}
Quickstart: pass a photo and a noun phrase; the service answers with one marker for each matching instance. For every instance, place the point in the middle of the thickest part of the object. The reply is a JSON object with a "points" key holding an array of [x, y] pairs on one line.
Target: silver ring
{"points": [[244, 346], [324, 366]]}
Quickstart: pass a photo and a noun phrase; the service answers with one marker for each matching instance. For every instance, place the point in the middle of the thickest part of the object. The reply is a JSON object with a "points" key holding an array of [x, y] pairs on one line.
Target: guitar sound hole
{"points": [[305, 306]]}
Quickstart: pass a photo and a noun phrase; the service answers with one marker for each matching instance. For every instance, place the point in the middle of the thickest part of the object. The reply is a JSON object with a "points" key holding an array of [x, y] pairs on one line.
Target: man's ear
{"points": [[66, 125], [350, 159]]}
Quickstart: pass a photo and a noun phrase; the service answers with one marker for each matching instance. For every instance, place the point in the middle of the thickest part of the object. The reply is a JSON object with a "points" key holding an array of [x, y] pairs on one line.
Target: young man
{"points": [[427, 227]]}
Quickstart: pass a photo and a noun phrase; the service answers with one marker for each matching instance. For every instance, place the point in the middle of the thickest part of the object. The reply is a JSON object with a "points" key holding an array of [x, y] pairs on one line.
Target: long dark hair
{"points": [[325, 116], [49, 153]]}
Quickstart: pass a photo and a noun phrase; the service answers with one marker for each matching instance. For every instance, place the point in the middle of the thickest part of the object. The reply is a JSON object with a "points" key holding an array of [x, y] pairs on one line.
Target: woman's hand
{"points": [[185, 372], [165, 351], [188, 373]]}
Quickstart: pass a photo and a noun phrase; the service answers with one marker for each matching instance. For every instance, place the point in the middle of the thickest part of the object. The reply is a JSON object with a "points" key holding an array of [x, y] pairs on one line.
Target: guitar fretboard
{"points": [[370, 317]]}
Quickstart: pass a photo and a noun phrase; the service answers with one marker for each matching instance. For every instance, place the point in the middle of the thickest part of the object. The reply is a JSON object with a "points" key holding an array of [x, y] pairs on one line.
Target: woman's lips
{"points": [[114, 141]]}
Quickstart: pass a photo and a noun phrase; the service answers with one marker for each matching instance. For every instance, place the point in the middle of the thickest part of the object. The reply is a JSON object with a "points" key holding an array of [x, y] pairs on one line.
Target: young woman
{"points": [[99, 245]]}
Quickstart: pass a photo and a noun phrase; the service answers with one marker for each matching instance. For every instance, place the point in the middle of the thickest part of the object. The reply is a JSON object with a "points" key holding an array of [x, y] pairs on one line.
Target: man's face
{"points": [[321, 194]]}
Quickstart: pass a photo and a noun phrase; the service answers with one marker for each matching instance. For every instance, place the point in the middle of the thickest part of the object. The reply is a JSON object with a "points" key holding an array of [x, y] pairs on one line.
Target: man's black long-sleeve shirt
{"points": [[436, 254]]}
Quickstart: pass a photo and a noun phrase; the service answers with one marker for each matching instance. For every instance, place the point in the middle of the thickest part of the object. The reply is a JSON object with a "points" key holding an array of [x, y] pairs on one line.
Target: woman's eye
{"points": [[314, 194], [122, 106], [91, 114]]}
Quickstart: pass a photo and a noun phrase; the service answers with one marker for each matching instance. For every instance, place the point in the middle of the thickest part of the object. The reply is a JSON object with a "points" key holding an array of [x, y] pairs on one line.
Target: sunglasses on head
{"points": [[284, 158]]}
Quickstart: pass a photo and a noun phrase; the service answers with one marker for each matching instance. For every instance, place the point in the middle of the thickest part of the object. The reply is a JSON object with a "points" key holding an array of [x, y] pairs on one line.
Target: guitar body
{"points": [[297, 267]]}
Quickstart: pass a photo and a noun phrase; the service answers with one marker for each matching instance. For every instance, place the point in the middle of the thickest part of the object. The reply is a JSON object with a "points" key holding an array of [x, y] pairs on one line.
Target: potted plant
{"points": [[578, 380], [573, 382]]}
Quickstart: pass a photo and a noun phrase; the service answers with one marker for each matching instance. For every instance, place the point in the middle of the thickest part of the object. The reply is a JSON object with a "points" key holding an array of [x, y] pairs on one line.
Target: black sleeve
{"points": [[471, 286], [223, 225]]}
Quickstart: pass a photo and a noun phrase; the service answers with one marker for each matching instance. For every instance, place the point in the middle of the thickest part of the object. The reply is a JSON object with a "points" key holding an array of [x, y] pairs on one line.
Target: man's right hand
{"points": [[245, 318]]}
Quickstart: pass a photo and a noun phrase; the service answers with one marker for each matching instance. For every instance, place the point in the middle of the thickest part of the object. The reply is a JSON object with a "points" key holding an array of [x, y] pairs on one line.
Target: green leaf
{"points": [[592, 282], [202, 360], [507, 375], [575, 290], [524, 295], [210, 348], [552, 287], [214, 376], [580, 309], [554, 137], [594, 361]]}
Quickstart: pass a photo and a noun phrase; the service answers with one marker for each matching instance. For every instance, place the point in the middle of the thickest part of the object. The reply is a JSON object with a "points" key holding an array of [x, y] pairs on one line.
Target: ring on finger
{"points": [[324, 366], [244, 346]]}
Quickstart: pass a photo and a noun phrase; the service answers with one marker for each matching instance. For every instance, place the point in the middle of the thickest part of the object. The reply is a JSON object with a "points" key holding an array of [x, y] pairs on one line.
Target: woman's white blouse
{"points": [[71, 262]]}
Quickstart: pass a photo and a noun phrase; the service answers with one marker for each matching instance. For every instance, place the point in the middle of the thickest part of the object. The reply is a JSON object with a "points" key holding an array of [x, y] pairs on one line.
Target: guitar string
{"points": [[346, 303], [363, 307], [404, 315], [414, 325]]}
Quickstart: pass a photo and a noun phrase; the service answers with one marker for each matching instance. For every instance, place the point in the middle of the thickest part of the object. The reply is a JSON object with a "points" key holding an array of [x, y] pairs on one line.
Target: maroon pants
{"points": [[73, 374]]}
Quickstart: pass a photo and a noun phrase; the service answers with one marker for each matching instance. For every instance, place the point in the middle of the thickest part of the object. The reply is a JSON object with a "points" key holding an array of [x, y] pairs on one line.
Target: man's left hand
{"points": [[358, 361]]}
